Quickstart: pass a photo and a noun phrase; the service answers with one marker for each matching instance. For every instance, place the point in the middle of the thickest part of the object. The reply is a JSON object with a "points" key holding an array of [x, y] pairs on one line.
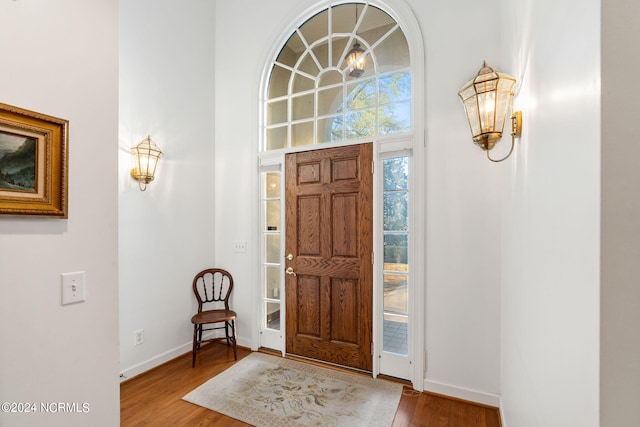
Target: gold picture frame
{"points": [[33, 163]]}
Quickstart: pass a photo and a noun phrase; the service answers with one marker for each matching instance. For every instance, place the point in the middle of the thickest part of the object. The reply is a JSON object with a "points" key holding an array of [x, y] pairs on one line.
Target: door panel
{"points": [[329, 233]]}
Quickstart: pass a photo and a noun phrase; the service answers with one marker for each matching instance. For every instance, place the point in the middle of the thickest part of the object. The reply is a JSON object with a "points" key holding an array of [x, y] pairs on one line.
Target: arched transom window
{"points": [[316, 95]]}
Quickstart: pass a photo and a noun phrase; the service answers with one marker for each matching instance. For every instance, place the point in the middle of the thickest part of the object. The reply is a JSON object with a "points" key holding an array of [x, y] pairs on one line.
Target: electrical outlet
{"points": [[138, 337], [240, 246]]}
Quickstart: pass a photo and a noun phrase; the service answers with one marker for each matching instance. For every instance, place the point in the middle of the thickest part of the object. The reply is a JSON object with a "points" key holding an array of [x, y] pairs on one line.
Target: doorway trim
{"points": [[415, 141]]}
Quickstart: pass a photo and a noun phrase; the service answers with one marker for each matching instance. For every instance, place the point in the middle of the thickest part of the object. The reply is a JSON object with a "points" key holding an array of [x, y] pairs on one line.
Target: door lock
{"points": [[290, 257]]}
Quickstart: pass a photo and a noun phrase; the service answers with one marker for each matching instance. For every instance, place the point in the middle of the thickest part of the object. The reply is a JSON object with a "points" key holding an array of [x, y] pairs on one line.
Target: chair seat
{"points": [[213, 316]]}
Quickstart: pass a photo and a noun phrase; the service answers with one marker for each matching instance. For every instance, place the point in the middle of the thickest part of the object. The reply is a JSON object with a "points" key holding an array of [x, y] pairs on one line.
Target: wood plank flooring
{"points": [[154, 398]]}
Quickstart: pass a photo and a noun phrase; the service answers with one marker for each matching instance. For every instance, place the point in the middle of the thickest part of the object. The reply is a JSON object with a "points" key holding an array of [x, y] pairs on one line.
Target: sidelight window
{"points": [[396, 254]]}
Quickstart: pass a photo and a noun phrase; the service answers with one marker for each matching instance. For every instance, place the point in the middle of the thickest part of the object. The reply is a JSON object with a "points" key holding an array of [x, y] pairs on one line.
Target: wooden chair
{"points": [[212, 288]]}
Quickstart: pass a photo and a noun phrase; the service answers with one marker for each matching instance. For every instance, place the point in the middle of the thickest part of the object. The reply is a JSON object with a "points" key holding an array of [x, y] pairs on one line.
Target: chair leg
{"points": [[195, 345], [199, 336], [233, 332]]}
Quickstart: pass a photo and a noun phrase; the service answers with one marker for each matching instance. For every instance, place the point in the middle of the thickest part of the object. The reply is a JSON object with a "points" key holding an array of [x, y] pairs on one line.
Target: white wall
{"points": [[620, 343], [60, 58], [463, 221], [166, 233], [550, 288], [463, 207]]}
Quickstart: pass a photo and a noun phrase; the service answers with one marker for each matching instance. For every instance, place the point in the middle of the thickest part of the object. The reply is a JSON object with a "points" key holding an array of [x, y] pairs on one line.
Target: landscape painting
{"points": [[33, 163], [17, 162]]}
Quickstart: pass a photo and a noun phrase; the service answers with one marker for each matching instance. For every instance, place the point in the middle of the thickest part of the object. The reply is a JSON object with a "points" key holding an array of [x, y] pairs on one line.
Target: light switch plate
{"points": [[73, 287], [240, 246]]}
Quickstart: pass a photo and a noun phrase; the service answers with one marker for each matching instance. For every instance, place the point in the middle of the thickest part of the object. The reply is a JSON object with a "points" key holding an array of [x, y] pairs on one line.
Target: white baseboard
{"points": [[154, 361], [158, 360], [503, 419], [476, 396]]}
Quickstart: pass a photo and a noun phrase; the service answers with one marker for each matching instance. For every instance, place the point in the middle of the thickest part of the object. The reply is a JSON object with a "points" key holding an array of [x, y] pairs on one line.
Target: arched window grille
{"points": [[314, 97]]}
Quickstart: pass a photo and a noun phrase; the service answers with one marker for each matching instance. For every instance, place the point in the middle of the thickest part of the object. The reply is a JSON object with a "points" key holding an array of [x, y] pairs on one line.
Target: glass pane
{"points": [[291, 51], [316, 27], [395, 339], [396, 252], [279, 82], [277, 112], [330, 129], [394, 118], [395, 330], [321, 52], [375, 24], [272, 248], [361, 124], [329, 100], [396, 173], [302, 107], [343, 18], [272, 215], [276, 138], [395, 293], [308, 65], [272, 185], [272, 311], [395, 87], [393, 53], [331, 77], [395, 211], [338, 50], [361, 95], [272, 289], [302, 84], [302, 134]]}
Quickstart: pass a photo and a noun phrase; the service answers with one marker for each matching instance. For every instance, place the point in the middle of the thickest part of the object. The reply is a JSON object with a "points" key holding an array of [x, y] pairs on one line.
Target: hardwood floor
{"points": [[154, 398]]}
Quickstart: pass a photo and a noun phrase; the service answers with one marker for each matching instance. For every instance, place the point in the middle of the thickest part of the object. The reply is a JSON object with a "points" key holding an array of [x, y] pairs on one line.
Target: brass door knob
{"points": [[290, 271]]}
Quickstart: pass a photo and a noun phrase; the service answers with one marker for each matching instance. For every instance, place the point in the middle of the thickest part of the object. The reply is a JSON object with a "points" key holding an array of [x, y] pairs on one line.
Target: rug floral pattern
{"points": [[265, 390]]}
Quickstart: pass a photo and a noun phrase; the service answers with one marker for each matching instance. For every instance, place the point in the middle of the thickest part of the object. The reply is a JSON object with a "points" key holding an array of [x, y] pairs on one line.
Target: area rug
{"points": [[265, 390]]}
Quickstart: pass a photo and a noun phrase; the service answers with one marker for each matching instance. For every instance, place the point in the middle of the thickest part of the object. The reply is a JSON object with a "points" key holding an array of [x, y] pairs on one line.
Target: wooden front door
{"points": [[329, 280]]}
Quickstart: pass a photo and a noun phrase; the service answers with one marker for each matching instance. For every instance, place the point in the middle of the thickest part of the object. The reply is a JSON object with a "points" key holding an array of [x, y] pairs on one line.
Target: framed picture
{"points": [[33, 163]]}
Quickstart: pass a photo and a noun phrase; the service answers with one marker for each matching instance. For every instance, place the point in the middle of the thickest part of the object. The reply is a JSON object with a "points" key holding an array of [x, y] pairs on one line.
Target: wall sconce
{"points": [[486, 100], [146, 156]]}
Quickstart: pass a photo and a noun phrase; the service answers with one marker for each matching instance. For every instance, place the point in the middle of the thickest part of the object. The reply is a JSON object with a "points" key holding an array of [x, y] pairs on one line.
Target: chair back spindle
{"points": [[212, 286]]}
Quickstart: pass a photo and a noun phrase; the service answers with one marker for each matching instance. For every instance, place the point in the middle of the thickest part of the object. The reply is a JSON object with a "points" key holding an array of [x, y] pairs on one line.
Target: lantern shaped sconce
{"points": [[487, 99], [355, 59], [145, 156]]}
